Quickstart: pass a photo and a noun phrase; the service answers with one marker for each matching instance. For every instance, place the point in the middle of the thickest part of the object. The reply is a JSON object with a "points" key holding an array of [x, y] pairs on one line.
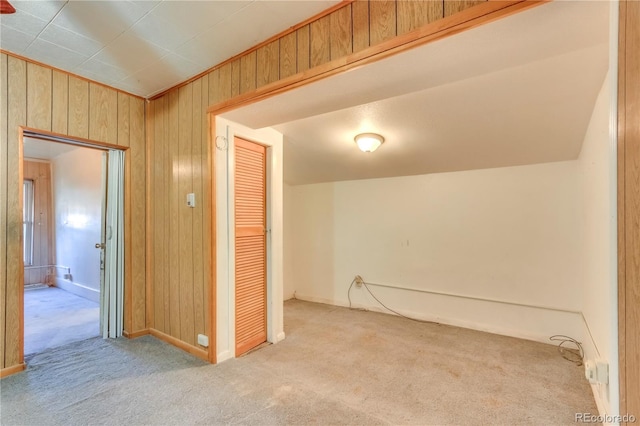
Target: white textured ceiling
{"points": [[517, 91], [145, 47], [37, 149]]}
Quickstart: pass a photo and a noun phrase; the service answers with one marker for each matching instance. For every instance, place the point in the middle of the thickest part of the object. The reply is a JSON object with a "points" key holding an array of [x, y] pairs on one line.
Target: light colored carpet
{"points": [[54, 317], [336, 366]]}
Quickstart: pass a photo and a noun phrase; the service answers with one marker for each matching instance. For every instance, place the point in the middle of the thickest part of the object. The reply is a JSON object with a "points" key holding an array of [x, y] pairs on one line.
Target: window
{"points": [[27, 221]]}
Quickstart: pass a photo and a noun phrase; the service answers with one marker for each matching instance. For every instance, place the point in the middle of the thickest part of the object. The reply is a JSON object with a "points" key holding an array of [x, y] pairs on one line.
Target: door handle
{"points": [[100, 245]]}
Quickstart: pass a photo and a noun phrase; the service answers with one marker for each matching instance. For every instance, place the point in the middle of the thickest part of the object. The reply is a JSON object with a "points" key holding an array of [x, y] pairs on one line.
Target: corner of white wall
{"points": [[598, 163]]}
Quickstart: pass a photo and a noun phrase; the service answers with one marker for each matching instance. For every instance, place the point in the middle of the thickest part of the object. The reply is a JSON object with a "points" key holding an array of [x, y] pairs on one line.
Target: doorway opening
{"points": [[72, 240]]}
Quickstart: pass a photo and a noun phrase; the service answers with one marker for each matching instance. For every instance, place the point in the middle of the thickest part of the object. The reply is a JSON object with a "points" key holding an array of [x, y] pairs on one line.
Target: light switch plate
{"points": [[191, 200]]}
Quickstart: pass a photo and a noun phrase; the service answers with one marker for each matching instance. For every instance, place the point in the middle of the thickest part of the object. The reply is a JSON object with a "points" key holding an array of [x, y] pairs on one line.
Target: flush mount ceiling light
{"points": [[368, 142]]}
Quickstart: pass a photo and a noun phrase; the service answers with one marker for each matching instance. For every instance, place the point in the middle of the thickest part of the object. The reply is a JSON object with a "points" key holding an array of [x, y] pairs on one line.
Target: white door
{"points": [[112, 292]]}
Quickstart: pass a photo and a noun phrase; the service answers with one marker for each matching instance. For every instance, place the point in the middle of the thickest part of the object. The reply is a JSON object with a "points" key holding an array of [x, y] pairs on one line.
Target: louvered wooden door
{"points": [[250, 216]]}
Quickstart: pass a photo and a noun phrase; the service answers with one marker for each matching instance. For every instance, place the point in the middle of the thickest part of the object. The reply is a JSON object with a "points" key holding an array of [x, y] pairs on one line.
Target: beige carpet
{"points": [[336, 367]]}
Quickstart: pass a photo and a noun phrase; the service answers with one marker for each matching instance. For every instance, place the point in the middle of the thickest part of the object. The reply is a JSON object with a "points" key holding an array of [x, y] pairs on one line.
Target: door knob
{"points": [[99, 245]]}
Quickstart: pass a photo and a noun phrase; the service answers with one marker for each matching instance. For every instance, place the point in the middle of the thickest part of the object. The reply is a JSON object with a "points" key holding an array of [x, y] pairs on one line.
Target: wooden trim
{"points": [[210, 187], [621, 209], [21, 271], [94, 143], [12, 370], [200, 353], [463, 21], [629, 207], [42, 64], [127, 304], [136, 334]]}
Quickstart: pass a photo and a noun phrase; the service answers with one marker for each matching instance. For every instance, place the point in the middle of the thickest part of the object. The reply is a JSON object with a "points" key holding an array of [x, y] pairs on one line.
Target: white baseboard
{"points": [[223, 356], [280, 337], [77, 289], [495, 327], [600, 391]]}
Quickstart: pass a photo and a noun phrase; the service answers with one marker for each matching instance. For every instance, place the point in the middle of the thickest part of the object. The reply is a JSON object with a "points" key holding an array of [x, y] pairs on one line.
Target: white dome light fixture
{"points": [[368, 142]]}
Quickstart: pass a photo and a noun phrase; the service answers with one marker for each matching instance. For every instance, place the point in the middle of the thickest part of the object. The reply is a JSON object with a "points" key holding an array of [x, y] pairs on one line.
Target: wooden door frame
{"points": [[47, 136], [223, 132], [629, 206]]}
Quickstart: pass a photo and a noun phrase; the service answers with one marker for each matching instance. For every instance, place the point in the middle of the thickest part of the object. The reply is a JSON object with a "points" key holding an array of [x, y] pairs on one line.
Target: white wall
{"points": [[77, 195], [289, 256], [505, 235], [599, 268]]}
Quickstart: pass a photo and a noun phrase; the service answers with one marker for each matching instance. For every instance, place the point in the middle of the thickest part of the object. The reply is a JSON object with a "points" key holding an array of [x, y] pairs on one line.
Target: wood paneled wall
{"points": [[43, 249], [180, 242], [180, 236], [42, 98]]}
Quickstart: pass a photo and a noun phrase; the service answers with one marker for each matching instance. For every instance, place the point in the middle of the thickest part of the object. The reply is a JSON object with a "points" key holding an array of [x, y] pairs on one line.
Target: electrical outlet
{"points": [[596, 371], [203, 340], [358, 280]]}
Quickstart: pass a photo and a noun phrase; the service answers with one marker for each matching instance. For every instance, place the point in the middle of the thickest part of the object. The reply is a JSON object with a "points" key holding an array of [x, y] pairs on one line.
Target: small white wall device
{"points": [[596, 371], [191, 200], [203, 340]]}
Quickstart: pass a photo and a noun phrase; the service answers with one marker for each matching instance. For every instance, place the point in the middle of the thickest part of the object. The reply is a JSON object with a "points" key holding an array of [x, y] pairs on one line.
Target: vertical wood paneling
{"points": [[360, 13], [214, 86], [78, 107], [320, 42], [51, 100], [175, 202], [60, 101], [39, 90], [40, 173], [124, 121], [341, 32], [382, 20], [413, 14], [268, 63], [235, 78], [198, 115], [304, 48], [454, 6], [166, 197], [158, 189], [4, 144], [225, 83], [247, 72], [127, 302], [16, 116], [138, 212], [288, 47], [185, 213], [103, 113]]}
